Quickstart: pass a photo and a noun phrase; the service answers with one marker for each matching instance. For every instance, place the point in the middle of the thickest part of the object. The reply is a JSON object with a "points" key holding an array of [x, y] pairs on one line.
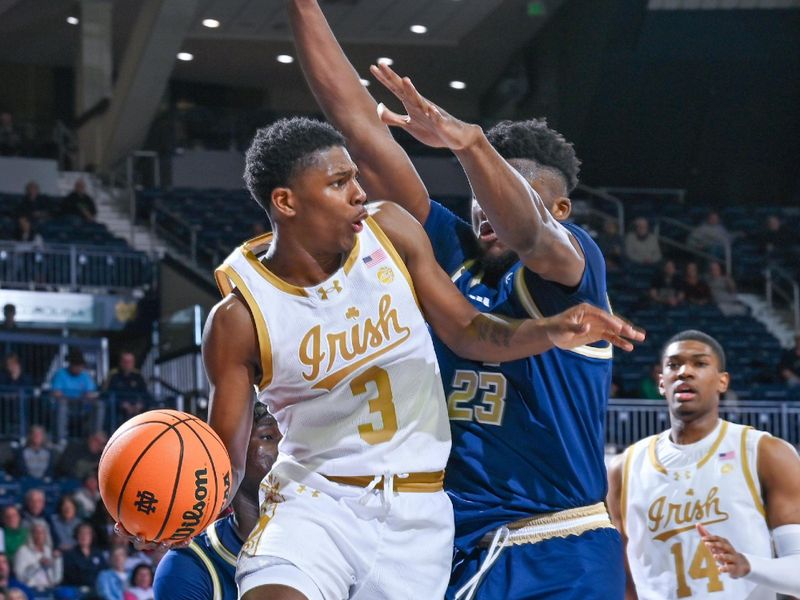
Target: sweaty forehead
{"points": [[333, 160]]}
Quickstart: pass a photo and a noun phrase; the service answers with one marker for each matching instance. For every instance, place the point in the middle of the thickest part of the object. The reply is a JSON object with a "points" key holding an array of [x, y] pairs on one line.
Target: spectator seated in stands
{"points": [[87, 496], [710, 236], [641, 245], [84, 561], [10, 139], [74, 384], [34, 508], [64, 523], [773, 239], [111, 582], [610, 242], [648, 386], [695, 290], [789, 365], [25, 232], [36, 563], [14, 532], [723, 291], [80, 459], [128, 386], [9, 317], [666, 286], [141, 587], [79, 204], [12, 375], [8, 582], [35, 459], [33, 205]]}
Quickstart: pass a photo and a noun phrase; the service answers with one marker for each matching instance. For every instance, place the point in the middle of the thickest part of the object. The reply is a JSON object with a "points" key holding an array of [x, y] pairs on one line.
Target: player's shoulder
{"points": [[181, 565]]}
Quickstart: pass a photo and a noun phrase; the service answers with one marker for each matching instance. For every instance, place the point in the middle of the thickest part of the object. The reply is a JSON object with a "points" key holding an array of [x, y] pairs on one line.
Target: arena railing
{"points": [[629, 421], [666, 223], [28, 266], [780, 285]]}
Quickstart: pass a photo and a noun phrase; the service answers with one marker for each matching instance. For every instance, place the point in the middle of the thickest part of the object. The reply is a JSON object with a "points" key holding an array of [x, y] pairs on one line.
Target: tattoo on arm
{"points": [[494, 330]]}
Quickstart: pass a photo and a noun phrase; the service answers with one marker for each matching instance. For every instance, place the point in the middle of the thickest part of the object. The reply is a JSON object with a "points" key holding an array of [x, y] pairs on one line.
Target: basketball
{"points": [[164, 475]]}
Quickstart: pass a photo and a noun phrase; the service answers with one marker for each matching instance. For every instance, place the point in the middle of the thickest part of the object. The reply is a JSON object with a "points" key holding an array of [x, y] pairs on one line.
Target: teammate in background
{"points": [[206, 569], [734, 484], [527, 475], [325, 317]]}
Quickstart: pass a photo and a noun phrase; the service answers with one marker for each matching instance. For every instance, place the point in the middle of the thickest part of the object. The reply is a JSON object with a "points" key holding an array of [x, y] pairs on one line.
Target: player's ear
{"points": [[724, 382], [283, 201], [562, 208]]}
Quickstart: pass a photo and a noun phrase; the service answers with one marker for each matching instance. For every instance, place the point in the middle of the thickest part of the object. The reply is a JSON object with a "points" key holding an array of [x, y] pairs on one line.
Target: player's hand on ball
{"points": [[728, 559], [141, 544], [584, 324]]}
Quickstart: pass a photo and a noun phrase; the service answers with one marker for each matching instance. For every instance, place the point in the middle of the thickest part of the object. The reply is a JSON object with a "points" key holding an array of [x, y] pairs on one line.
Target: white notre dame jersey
{"points": [[348, 366], [668, 488]]}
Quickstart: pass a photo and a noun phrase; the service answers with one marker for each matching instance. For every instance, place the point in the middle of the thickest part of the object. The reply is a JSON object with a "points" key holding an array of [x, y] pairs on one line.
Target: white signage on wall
{"points": [[52, 308]]}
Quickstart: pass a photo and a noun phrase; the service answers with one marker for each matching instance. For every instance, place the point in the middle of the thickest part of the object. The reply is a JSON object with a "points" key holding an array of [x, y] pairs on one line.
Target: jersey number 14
{"points": [[702, 567]]}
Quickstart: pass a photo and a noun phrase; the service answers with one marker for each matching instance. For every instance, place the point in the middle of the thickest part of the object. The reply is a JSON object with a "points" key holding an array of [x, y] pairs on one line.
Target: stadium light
{"points": [[210, 23], [385, 60], [285, 59], [73, 20], [185, 56], [458, 85], [364, 82], [418, 29]]}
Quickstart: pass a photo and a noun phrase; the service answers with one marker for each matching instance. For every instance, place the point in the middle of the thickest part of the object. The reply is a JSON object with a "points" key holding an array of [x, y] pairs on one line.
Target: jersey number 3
{"points": [[490, 389], [383, 404]]}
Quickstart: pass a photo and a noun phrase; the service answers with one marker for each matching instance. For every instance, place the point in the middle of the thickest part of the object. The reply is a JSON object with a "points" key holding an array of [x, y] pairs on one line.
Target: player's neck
{"points": [[691, 431], [245, 511], [297, 264]]}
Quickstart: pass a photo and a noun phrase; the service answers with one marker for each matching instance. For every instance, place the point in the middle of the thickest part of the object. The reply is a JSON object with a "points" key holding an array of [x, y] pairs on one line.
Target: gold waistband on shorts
{"points": [[411, 482], [573, 521]]}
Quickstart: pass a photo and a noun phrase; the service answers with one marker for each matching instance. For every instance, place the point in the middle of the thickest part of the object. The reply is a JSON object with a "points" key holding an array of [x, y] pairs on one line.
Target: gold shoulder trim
{"points": [[713, 450], [387, 244], [748, 475], [460, 270], [528, 303], [265, 348], [248, 250], [351, 259], [651, 454], [212, 572], [219, 547], [623, 493]]}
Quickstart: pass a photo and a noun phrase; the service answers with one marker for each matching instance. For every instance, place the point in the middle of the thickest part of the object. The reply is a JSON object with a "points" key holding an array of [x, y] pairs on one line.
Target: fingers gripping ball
{"points": [[165, 475]]}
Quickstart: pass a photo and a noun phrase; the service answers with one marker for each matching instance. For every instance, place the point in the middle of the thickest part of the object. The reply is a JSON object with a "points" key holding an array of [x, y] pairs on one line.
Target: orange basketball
{"points": [[164, 475]]}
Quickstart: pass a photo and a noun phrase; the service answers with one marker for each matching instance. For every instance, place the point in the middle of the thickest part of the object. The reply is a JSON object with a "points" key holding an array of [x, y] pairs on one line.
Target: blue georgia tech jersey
{"points": [[528, 435]]}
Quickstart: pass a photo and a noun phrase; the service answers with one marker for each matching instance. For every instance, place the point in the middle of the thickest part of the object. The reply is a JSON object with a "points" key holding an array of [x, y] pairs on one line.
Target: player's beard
{"points": [[494, 266]]}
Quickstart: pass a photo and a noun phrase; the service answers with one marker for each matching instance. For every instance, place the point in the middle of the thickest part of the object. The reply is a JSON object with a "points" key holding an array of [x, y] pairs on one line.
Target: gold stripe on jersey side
{"points": [[212, 572], [414, 482], [748, 476], [528, 303], [219, 547], [651, 454], [387, 244], [623, 494], [460, 270], [264, 345], [715, 446]]}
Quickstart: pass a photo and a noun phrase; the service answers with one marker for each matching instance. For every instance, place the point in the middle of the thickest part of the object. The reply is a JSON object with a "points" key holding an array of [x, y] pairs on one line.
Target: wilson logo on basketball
{"points": [[364, 341], [192, 518]]}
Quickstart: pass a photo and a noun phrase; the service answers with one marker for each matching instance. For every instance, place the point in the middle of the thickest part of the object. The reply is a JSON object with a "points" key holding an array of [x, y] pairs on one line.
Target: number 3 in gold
{"points": [[382, 403]]}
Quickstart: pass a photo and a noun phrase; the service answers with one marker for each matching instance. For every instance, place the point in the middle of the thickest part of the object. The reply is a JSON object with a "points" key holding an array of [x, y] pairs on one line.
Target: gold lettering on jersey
{"points": [[358, 345], [672, 519]]}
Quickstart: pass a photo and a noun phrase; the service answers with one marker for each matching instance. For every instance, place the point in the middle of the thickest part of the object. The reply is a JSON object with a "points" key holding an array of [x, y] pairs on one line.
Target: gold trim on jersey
{"points": [[623, 494], [262, 332], [212, 572], [460, 270], [651, 450], [518, 536], [748, 475], [389, 247], [413, 482], [528, 303], [216, 543]]}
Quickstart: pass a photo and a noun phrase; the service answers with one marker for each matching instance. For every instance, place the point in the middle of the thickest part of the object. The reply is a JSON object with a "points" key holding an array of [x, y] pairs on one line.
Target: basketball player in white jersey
{"points": [[324, 317], [684, 499]]}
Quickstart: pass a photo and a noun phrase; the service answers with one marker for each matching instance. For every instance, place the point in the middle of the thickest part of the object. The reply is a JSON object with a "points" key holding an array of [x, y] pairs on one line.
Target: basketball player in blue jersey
{"points": [[526, 474], [205, 569]]}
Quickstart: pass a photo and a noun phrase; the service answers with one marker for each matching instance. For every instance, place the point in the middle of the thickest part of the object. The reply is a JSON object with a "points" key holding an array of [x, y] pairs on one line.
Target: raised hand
{"points": [[728, 560], [585, 324], [141, 544], [426, 121]]}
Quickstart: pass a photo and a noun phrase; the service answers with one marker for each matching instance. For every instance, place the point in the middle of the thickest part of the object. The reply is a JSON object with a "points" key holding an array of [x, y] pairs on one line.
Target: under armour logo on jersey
{"points": [[324, 292]]}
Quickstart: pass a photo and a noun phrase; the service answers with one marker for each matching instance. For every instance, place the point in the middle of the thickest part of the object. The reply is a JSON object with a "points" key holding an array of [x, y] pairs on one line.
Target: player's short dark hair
{"points": [[698, 336], [534, 140], [261, 415], [279, 151]]}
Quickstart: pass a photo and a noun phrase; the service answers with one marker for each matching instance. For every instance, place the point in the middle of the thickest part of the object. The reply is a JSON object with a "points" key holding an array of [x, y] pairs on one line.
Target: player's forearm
{"points": [[515, 210], [491, 338]]}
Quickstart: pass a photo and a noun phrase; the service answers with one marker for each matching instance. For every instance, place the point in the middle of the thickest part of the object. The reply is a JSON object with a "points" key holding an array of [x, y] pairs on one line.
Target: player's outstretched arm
{"points": [[230, 356], [517, 213], [614, 502], [779, 475], [386, 171], [488, 337]]}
